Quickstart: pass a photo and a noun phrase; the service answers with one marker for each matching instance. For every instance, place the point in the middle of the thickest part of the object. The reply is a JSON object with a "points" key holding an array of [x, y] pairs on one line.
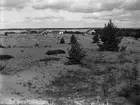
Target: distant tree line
{"points": [[111, 36], [73, 32], [127, 32]]}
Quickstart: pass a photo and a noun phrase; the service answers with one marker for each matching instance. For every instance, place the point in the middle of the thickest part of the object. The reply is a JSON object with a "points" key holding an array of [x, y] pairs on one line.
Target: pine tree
{"points": [[76, 53], [73, 39], [109, 38], [62, 41]]}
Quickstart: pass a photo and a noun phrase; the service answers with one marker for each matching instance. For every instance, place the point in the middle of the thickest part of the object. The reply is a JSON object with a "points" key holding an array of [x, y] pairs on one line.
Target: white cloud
{"points": [[68, 13], [13, 4], [86, 6], [131, 5]]}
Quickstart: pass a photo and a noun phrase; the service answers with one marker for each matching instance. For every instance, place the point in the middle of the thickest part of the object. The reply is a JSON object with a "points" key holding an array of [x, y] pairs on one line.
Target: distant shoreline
{"points": [[57, 28], [47, 28]]}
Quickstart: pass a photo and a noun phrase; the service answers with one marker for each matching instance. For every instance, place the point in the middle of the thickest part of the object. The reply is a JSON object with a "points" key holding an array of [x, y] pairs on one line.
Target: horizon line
{"points": [[63, 28]]}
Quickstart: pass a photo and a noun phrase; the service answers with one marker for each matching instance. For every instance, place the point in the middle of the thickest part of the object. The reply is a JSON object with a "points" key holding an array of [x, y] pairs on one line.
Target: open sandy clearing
{"points": [[25, 77]]}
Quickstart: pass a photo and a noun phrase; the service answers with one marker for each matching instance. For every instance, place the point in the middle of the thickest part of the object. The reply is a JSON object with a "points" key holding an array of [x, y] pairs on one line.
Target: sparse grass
{"points": [[104, 77], [78, 84], [50, 59], [76, 52], [46, 60]]}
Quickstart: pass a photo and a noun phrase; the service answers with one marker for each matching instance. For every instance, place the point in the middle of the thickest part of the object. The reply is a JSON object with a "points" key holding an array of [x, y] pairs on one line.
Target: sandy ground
{"points": [[25, 77], [26, 68]]}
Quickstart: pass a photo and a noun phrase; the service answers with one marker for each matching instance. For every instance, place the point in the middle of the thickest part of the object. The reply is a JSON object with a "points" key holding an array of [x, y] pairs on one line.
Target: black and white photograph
{"points": [[69, 52]]}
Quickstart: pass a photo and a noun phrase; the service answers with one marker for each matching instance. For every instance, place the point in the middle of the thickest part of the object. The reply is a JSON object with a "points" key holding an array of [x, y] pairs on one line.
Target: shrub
{"points": [[62, 41], [123, 48], [36, 45], [73, 40], [9, 46], [6, 33], [76, 53], [109, 38], [95, 38]]}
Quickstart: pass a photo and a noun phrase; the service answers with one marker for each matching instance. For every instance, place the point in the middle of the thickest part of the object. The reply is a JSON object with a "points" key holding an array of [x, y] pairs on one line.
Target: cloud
{"points": [[105, 15], [13, 4], [86, 6], [71, 13], [116, 15], [131, 5], [43, 18], [54, 4]]}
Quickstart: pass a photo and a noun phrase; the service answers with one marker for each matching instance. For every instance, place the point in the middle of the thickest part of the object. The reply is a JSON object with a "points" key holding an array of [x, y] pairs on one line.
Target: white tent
{"points": [[61, 32]]}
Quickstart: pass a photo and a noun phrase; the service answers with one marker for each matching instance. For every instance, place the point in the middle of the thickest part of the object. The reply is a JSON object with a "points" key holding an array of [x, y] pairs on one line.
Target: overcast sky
{"points": [[68, 13]]}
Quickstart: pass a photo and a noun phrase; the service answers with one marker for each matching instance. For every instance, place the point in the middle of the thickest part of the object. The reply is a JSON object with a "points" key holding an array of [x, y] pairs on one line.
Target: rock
{"points": [[6, 57], [54, 52], [1, 46]]}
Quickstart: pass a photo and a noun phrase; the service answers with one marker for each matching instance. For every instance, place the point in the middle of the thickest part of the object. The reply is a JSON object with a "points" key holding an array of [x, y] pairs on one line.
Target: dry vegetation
{"points": [[78, 76]]}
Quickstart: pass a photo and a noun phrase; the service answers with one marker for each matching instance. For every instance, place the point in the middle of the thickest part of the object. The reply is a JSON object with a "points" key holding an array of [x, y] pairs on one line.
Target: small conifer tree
{"points": [[62, 41], [73, 39], [109, 38], [76, 53]]}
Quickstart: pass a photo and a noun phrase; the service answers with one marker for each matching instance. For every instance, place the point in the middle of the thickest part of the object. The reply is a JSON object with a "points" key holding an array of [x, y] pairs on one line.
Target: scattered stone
{"points": [[1, 46], [6, 57], [54, 52], [22, 50]]}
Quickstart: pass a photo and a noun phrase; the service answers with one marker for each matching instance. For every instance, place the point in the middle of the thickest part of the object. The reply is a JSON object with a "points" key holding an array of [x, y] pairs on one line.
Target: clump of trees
{"points": [[73, 32], [109, 38], [62, 41], [76, 53], [135, 33]]}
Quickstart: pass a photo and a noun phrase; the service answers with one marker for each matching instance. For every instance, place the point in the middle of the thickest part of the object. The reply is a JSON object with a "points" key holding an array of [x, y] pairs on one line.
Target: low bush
{"points": [[95, 38], [73, 39], [49, 59], [76, 53], [62, 41], [36, 45]]}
